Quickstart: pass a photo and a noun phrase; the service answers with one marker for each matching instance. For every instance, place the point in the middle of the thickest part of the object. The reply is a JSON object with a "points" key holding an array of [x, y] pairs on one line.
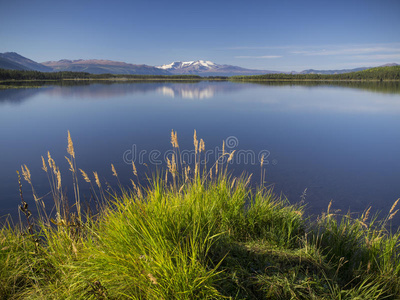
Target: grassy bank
{"points": [[190, 233]]}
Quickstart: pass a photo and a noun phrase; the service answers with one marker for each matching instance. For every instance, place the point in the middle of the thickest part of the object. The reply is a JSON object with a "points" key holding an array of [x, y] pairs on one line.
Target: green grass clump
{"points": [[191, 233], [14, 275]]}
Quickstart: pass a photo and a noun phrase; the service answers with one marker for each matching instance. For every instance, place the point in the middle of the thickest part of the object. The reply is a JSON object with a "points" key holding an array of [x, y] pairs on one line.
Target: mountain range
{"points": [[15, 61], [208, 68], [97, 66]]}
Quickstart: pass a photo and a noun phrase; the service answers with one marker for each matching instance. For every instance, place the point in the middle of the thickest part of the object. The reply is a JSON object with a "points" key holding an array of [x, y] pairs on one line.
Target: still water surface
{"points": [[341, 142]]}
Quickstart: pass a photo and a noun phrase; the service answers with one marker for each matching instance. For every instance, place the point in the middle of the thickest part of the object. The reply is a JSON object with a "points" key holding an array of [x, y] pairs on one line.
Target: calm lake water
{"points": [[341, 142]]}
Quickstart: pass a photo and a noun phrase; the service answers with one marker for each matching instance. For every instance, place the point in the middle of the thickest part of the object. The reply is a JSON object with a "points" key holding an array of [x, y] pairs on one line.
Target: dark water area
{"points": [[341, 141]]}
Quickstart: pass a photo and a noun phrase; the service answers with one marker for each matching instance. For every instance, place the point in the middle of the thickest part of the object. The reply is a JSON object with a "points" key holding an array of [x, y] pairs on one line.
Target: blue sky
{"points": [[270, 35]]}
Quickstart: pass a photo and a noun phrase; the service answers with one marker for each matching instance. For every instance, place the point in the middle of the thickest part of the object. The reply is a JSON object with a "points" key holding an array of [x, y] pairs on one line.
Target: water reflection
{"points": [[340, 141], [328, 98], [193, 91], [187, 92], [16, 96], [196, 90], [386, 87]]}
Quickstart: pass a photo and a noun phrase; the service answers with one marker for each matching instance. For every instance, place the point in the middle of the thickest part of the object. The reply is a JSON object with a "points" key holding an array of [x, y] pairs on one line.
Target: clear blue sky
{"points": [[270, 35]]}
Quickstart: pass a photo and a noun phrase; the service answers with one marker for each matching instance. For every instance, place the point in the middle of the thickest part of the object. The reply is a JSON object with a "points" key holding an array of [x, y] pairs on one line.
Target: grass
{"points": [[191, 233], [9, 86]]}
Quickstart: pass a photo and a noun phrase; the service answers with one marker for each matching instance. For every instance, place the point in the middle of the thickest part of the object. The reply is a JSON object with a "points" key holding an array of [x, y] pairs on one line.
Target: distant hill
{"points": [[96, 66], [208, 68], [386, 72], [343, 71], [23, 63], [378, 73], [331, 72], [10, 65], [390, 65]]}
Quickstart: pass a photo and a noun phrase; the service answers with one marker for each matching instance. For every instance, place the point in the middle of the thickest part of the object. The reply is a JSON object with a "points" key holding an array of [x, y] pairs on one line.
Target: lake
{"points": [[341, 142]]}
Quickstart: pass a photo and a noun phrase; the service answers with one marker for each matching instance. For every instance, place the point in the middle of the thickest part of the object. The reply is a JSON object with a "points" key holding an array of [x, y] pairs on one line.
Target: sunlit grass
{"points": [[191, 233]]}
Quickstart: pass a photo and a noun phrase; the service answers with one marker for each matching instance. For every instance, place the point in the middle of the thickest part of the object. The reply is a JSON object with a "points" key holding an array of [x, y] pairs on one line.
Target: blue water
{"points": [[342, 143]]}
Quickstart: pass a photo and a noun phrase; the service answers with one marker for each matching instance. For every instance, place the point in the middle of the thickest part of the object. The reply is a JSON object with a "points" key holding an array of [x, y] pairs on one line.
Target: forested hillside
{"points": [[379, 73], [35, 75]]}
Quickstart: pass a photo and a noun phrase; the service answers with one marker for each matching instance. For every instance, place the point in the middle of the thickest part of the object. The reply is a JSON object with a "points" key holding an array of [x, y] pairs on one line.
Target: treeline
{"points": [[379, 73], [36, 75]]}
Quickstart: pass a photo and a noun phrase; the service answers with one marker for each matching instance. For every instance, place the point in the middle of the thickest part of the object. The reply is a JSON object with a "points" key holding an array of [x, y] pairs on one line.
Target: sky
{"points": [[277, 35]]}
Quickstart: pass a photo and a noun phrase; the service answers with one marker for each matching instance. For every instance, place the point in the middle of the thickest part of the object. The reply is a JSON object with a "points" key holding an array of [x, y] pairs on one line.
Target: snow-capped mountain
{"points": [[198, 64], [208, 68]]}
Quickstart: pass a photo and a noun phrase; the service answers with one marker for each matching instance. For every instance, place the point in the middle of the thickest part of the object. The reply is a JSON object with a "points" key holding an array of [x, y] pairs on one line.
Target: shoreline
{"points": [[15, 84]]}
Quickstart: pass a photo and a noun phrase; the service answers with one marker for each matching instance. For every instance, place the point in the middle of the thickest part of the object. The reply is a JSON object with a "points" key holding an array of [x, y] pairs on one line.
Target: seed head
{"points": [[394, 206], [26, 173], [134, 168], [231, 156], [202, 146], [58, 179], [195, 142], [44, 166], [85, 176], [329, 207], [174, 139], [96, 176], [366, 215], [114, 171], [71, 166], [70, 148]]}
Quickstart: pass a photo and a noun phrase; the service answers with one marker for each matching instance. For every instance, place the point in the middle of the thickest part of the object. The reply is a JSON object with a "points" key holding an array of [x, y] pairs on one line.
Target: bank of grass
{"points": [[9, 87], [191, 234]]}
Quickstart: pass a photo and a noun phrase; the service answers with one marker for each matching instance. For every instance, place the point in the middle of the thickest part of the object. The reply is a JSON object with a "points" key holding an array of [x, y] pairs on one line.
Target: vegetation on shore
{"points": [[7, 75], [373, 74], [379, 73], [191, 233]]}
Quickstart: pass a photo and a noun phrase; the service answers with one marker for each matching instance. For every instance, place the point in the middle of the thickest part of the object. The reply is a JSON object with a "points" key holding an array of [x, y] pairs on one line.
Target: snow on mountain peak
{"points": [[186, 64]]}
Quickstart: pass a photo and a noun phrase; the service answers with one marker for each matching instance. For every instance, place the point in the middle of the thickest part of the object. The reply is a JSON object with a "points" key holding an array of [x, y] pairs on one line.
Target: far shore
{"points": [[18, 84], [379, 74]]}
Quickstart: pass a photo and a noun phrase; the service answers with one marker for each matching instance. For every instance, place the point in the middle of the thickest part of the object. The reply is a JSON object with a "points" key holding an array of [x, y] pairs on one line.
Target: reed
{"points": [[203, 235]]}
